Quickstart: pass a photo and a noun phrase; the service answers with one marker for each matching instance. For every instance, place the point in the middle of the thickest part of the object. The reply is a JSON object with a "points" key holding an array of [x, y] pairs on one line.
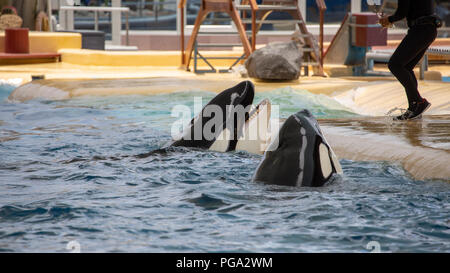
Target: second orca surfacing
{"points": [[302, 157], [295, 155]]}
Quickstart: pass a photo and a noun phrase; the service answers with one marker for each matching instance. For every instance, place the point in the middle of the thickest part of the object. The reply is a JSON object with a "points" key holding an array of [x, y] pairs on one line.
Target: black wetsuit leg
{"points": [[410, 67], [408, 54]]}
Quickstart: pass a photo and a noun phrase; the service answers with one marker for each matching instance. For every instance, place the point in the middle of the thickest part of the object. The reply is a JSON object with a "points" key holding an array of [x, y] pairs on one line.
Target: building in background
{"points": [[147, 17]]}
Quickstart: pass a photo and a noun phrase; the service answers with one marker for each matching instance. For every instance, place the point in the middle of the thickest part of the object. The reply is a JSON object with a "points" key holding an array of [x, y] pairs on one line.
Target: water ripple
{"points": [[82, 170]]}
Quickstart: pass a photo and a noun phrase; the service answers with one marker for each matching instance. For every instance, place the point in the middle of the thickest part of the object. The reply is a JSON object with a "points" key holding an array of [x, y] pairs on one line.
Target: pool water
{"points": [[64, 177]]}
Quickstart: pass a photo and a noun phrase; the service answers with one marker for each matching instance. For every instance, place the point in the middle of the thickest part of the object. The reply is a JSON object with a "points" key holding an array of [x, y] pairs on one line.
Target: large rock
{"points": [[276, 61]]}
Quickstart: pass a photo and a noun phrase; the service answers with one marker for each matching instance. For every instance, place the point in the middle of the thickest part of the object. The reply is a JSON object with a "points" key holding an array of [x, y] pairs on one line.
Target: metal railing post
{"points": [[116, 28], [49, 11], [141, 7], [322, 8], [96, 20], [182, 34], [127, 29], [156, 9], [423, 66]]}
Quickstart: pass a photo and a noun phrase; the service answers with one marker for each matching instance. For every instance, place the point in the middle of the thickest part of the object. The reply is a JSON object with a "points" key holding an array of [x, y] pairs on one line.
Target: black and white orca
{"points": [[226, 128], [299, 155], [295, 155]]}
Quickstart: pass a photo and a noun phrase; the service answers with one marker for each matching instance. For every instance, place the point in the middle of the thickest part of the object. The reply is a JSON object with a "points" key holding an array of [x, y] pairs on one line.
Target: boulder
{"points": [[276, 61]]}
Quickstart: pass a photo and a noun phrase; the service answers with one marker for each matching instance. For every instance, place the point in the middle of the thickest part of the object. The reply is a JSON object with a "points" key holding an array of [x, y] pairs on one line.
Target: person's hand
{"points": [[384, 22]]}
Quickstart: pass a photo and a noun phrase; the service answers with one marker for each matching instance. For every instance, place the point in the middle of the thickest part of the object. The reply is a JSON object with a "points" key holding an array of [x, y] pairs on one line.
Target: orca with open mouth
{"points": [[225, 127], [295, 155]]}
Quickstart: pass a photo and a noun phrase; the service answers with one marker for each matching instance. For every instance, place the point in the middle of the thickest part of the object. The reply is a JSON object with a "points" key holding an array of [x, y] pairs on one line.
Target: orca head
{"points": [[299, 155], [221, 119]]}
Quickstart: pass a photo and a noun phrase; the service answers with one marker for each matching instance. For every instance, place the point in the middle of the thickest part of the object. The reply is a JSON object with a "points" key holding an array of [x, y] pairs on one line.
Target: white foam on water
{"points": [[14, 82], [349, 100], [291, 100], [37, 91]]}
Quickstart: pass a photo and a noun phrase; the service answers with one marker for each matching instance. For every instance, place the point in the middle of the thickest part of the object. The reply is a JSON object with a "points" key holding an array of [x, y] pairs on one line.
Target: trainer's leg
{"points": [[406, 57], [405, 53], [410, 67]]}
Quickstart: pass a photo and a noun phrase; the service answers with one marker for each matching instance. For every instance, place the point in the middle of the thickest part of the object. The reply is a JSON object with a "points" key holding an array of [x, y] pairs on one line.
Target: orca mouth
{"points": [[254, 135], [256, 110]]}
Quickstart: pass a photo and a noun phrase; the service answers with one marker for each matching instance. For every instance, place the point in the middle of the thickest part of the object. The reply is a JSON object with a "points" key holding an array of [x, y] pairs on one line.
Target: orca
{"points": [[227, 128], [299, 155]]}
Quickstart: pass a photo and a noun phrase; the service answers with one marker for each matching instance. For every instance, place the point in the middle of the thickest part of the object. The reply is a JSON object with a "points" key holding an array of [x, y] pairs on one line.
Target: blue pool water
{"points": [[61, 180], [446, 79]]}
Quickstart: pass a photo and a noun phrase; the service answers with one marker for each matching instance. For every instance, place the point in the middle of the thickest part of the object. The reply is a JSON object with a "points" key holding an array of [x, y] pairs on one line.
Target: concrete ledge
{"points": [[120, 58], [14, 59], [137, 58], [48, 42]]}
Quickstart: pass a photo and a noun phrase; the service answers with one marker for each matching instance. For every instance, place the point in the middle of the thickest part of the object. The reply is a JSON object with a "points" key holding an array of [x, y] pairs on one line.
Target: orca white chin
{"points": [[222, 142]]}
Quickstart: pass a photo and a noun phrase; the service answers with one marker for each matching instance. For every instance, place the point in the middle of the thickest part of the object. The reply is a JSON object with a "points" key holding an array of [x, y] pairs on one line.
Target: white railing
{"points": [[69, 24]]}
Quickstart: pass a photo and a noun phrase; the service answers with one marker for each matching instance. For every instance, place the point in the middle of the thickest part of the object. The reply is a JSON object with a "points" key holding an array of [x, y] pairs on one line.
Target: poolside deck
{"points": [[422, 147]]}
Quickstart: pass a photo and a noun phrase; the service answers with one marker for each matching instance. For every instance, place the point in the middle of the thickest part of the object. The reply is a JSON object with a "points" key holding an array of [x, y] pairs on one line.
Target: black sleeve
{"points": [[401, 12]]}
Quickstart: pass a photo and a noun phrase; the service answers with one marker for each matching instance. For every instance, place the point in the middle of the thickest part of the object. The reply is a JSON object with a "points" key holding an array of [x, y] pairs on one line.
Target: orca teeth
{"points": [[254, 112]]}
